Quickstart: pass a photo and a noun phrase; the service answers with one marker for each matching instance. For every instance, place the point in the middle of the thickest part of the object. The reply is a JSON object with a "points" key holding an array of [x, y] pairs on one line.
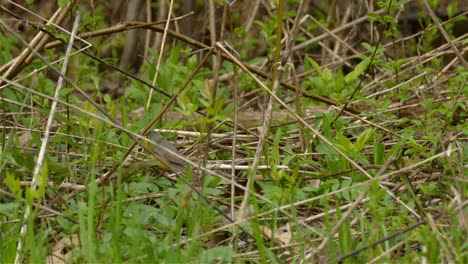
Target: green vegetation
{"points": [[312, 133]]}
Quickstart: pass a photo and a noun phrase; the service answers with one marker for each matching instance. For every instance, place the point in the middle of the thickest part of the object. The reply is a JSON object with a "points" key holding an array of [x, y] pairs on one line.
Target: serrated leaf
{"points": [[13, 184], [327, 74]]}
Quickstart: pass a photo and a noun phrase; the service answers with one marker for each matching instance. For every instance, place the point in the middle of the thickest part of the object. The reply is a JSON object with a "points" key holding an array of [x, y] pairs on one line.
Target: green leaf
{"points": [[271, 192], [379, 151], [327, 74], [222, 2], [363, 138], [63, 3], [452, 9], [240, 32], [429, 189], [5, 208], [374, 17], [275, 153], [393, 152], [13, 184], [367, 46], [314, 64], [344, 234], [360, 68], [344, 143], [41, 181], [216, 255], [389, 19], [25, 160]]}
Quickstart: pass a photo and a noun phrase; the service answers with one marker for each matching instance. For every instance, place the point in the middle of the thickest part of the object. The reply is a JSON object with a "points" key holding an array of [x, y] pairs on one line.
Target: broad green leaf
{"points": [[360, 68], [344, 143], [374, 17]]}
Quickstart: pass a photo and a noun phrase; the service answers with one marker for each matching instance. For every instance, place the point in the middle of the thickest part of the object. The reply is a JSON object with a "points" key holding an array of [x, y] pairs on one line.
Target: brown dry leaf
{"points": [[282, 235], [314, 183], [60, 253], [24, 139]]}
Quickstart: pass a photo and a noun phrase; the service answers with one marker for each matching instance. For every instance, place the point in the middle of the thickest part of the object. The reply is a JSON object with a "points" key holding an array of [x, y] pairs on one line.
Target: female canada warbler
{"points": [[167, 153]]}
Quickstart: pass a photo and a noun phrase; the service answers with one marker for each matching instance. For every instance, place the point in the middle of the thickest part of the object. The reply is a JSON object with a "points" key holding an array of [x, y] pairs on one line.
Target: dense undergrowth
{"points": [[312, 134]]}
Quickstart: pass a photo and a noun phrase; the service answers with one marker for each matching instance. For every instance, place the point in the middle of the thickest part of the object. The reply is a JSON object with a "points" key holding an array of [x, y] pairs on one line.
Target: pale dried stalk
{"points": [[212, 25], [308, 126], [388, 251], [163, 44], [444, 33], [37, 43], [149, 18], [45, 140], [358, 201], [320, 197], [261, 141], [42, 207]]}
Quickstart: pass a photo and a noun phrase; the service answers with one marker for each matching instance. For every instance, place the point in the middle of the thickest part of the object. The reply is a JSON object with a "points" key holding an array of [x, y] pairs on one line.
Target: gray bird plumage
{"points": [[168, 153]]}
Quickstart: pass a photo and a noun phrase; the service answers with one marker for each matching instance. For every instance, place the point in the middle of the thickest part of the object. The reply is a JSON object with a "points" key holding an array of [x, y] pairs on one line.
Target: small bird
{"points": [[168, 154]]}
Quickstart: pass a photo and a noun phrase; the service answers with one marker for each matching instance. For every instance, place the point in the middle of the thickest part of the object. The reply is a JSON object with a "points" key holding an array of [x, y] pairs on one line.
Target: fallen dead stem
{"points": [[133, 25], [402, 106]]}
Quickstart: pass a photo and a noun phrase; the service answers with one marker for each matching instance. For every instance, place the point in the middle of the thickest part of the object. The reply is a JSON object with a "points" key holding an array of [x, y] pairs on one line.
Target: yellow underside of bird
{"points": [[166, 153]]}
